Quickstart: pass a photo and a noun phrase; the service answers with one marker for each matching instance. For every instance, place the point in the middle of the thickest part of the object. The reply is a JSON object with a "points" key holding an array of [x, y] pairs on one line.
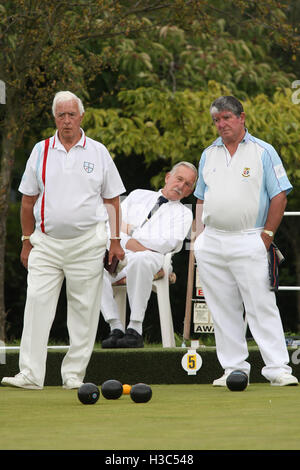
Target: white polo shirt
{"points": [[71, 185], [237, 190], [165, 230]]}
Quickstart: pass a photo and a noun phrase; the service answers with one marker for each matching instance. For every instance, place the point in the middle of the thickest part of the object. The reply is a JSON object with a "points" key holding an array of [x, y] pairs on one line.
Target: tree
{"points": [[175, 126], [174, 59]]}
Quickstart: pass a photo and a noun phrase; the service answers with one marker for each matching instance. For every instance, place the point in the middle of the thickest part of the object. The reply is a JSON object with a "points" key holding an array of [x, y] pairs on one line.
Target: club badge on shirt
{"points": [[89, 167], [246, 172]]}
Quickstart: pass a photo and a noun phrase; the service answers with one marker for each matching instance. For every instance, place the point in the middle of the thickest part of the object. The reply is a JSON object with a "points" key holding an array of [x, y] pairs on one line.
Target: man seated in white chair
{"points": [[154, 223]]}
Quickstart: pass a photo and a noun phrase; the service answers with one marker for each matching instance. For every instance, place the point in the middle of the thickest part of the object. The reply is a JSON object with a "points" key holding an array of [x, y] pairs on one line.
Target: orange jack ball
{"points": [[126, 389]]}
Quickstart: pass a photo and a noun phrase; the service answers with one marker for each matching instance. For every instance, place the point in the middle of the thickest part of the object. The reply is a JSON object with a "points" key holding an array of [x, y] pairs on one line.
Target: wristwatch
{"points": [[25, 237], [269, 232]]}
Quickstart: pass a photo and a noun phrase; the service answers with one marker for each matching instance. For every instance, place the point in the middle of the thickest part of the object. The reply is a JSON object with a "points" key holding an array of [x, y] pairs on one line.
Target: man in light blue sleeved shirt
{"points": [[241, 191]]}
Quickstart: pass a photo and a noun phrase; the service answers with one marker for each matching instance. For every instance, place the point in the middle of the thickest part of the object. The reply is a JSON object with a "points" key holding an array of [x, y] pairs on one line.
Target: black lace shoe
{"points": [[131, 339], [111, 340]]}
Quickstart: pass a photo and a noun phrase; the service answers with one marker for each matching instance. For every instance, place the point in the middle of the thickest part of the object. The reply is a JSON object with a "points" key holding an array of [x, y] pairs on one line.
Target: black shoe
{"points": [[111, 340], [131, 339]]}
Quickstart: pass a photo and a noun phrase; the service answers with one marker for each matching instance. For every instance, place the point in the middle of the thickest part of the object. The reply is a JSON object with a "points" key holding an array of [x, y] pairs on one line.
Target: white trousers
{"points": [[233, 270], [80, 262], [139, 271]]}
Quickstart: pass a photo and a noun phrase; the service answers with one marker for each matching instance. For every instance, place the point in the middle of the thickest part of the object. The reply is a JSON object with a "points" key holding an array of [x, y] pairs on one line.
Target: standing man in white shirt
{"points": [[68, 181], [153, 224], [241, 191]]}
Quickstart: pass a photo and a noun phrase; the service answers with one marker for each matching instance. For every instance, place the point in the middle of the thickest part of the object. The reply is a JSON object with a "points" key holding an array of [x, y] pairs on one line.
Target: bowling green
{"points": [[181, 417]]}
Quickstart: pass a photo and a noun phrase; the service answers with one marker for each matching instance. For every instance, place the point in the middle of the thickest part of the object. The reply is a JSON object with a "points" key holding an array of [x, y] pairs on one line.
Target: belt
{"points": [[233, 232]]}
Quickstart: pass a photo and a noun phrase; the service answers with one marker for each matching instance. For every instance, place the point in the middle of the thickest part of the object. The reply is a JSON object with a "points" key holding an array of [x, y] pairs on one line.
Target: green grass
{"points": [[180, 417]]}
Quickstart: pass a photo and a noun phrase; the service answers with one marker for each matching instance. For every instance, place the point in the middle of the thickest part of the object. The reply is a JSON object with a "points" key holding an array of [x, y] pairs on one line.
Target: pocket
{"points": [[33, 237], [101, 233], [198, 242], [261, 242]]}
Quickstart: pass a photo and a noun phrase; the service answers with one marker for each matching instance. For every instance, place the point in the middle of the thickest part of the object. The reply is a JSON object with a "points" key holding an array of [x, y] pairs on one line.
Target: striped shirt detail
{"points": [[44, 183]]}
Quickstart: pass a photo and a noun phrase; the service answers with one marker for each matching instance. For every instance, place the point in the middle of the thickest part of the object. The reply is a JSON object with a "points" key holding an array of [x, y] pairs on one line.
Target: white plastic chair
{"points": [[161, 287]]}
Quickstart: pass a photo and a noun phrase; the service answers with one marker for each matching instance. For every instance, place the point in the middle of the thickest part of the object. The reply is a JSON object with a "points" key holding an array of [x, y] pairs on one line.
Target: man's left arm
{"points": [[173, 231], [135, 245], [114, 217], [275, 214]]}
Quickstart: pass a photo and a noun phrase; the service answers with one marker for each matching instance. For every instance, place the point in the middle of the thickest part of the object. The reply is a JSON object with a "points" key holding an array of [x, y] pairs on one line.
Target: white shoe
{"points": [[72, 382], [285, 379], [221, 382], [20, 381]]}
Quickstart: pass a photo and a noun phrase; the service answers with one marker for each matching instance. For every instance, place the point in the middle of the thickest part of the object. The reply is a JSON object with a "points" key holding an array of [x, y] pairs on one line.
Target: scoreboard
{"points": [[202, 319]]}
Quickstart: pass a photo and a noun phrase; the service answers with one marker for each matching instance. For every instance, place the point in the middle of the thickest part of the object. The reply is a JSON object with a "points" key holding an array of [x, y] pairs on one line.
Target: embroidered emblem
{"points": [[246, 172], [89, 167]]}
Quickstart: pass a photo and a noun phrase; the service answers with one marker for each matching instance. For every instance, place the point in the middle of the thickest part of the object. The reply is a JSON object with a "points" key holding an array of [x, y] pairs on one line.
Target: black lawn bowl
{"points": [[237, 381], [88, 393], [112, 389], [141, 393]]}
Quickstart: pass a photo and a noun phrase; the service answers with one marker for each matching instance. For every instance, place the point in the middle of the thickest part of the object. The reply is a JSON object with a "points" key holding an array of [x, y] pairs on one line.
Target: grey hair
{"points": [[63, 96], [187, 164], [226, 103]]}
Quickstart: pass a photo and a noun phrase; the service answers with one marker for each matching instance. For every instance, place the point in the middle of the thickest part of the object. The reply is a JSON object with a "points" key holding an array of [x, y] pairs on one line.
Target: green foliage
{"points": [[177, 126], [154, 123], [277, 121], [173, 59]]}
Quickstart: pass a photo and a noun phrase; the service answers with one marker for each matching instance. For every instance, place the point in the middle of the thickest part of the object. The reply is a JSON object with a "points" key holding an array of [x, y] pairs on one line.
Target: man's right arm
{"points": [[27, 224]]}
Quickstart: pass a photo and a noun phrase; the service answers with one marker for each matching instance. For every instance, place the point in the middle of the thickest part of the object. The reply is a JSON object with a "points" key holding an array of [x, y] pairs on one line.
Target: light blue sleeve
{"points": [[275, 181], [275, 177], [200, 186]]}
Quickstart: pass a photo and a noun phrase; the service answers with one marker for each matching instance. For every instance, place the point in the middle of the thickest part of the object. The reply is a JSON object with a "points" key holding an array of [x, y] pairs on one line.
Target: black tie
{"points": [[161, 200]]}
